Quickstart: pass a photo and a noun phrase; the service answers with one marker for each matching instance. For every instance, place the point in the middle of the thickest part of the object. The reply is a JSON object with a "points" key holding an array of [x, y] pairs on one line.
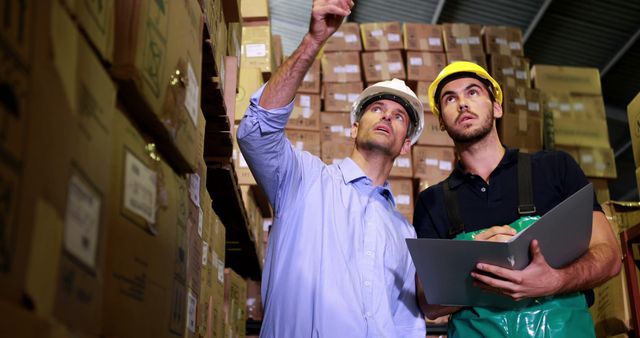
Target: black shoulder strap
{"points": [[525, 185], [453, 210]]}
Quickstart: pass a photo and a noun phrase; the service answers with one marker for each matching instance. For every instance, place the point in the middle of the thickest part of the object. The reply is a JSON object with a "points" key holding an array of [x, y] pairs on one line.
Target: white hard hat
{"points": [[395, 90]]}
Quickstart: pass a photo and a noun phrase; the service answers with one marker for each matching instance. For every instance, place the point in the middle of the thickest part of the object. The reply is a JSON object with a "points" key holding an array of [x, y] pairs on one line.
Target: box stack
{"points": [[572, 96], [633, 114]]}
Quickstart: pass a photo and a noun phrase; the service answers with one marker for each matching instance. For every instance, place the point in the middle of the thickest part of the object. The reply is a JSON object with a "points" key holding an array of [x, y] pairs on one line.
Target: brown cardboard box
{"points": [[339, 97], [462, 38], [306, 112], [432, 135], [601, 188], [379, 66], [240, 164], [574, 132], [231, 9], [254, 300], [510, 70], [422, 37], [424, 66], [622, 215], [381, 36], [305, 140], [150, 48], [514, 100], [402, 166], [230, 87], [534, 102], [432, 164], [207, 278], [311, 81], [217, 261], [560, 103], [564, 79], [254, 10], [220, 46], [96, 19], [335, 126], [234, 40], [17, 322], [235, 299], [521, 130], [249, 82], [146, 250], [422, 90], [346, 38], [588, 106], [502, 40], [52, 246], [402, 189], [467, 55], [633, 114], [598, 162], [341, 67], [336, 150], [256, 48], [278, 55], [17, 31]]}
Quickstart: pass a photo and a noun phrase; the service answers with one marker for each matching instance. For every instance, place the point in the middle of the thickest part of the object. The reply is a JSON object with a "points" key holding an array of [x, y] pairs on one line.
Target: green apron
{"points": [[555, 316]]}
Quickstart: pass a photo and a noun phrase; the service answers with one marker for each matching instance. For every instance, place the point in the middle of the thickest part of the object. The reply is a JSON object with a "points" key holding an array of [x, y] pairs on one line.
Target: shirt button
{"points": [[367, 283], [368, 314], [483, 189], [369, 253]]}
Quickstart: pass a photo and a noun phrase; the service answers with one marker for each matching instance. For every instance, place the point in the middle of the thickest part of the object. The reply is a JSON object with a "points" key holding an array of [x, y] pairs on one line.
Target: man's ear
{"points": [[497, 110], [442, 128], [354, 130], [406, 147]]}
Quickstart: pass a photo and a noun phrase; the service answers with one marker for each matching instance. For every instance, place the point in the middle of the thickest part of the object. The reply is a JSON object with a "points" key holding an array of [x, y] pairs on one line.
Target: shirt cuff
{"points": [[269, 120]]}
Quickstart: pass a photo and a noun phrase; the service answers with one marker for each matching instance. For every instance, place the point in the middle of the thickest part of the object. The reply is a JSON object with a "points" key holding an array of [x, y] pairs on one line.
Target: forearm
{"points": [[284, 83]]}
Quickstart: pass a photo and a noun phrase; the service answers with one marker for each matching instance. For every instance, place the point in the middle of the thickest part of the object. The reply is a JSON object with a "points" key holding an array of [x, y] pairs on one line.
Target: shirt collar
{"points": [[458, 175], [352, 172]]}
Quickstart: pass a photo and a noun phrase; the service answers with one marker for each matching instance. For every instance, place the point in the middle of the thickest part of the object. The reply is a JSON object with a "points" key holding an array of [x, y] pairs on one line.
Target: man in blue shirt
{"points": [[337, 263], [482, 194]]}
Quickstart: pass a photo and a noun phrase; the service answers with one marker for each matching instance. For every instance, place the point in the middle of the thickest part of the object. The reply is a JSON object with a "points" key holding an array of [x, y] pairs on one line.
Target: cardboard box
{"points": [[335, 127], [633, 114], [52, 244], [96, 19], [381, 36], [230, 89], [638, 177], [564, 79], [311, 81], [467, 55], [306, 112], [17, 31], [622, 215], [574, 132], [334, 151], [402, 166], [504, 40], [346, 38], [217, 261], [254, 10], [510, 70], [462, 38], [256, 48], [422, 37], [305, 140], [425, 66], [402, 189], [235, 299], [146, 251], [254, 300], [598, 162], [601, 188], [422, 90], [17, 322], [432, 134], [339, 97], [249, 82], [534, 102], [433, 164], [276, 47], [150, 48], [234, 40], [231, 9], [588, 106], [521, 130], [380, 66], [205, 302], [341, 67]]}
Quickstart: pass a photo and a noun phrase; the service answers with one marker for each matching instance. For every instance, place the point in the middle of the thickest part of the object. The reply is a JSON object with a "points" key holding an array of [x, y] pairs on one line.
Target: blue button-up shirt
{"points": [[337, 264]]}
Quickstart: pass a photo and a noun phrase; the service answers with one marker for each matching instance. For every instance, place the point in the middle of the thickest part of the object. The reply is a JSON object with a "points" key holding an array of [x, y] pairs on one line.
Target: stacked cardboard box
{"points": [[633, 113]]}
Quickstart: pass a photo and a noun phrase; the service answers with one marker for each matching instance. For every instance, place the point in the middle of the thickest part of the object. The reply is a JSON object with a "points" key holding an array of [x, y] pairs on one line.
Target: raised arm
{"points": [[326, 17]]}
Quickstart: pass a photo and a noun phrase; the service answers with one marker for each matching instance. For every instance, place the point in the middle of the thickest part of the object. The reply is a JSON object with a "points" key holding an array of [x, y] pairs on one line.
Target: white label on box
{"points": [[82, 221], [220, 271], [306, 113], [340, 97], [522, 121], [376, 33], [474, 40], [305, 101], [552, 104], [192, 305], [205, 253], [352, 69], [194, 188], [601, 166], [337, 129], [140, 189], [214, 259], [234, 154], [338, 34], [350, 38], [431, 162], [533, 106], [352, 97], [520, 102], [395, 66], [339, 70], [377, 67], [402, 162], [403, 199], [586, 158], [200, 221], [445, 165], [515, 45], [415, 61], [192, 98], [308, 77], [507, 71], [299, 145], [521, 75], [501, 41], [565, 107], [435, 42], [256, 50], [347, 132], [461, 41], [579, 106], [393, 37], [242, 161]]}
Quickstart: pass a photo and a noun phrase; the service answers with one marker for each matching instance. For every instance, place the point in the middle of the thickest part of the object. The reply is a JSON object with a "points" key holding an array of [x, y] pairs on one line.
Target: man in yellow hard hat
{"points": [[337, 264], [493, 188]]}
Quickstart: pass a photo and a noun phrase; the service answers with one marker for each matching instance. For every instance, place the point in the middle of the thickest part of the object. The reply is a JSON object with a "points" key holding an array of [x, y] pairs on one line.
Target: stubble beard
{"points": [[473, 136]]}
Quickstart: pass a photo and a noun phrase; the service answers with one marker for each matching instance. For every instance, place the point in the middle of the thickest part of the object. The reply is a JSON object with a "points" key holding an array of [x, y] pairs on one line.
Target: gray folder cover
{"points": [[444, 265]]}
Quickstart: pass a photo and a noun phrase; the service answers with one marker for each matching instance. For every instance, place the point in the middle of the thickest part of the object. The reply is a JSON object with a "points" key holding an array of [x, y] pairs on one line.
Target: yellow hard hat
{"points": [[461, 67]]}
